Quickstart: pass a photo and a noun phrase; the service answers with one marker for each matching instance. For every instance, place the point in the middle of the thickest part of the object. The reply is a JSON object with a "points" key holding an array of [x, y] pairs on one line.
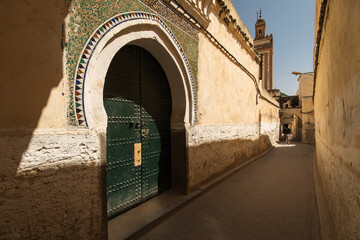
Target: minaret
{"points": [[264, 45], [260, 27]]}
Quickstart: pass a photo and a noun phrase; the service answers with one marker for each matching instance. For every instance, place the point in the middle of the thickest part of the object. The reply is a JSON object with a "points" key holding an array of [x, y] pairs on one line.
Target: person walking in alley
{"points": [[289, 138]]}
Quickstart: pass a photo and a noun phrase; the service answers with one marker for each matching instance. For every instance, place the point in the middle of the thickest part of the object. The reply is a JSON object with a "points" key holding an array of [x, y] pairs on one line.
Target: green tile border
{"points": [[85, 16]]}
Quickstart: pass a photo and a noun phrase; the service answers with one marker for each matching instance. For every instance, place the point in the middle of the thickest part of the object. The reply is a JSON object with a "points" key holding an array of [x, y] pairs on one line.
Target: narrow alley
{"points": [[165, 119], [271, 198]]}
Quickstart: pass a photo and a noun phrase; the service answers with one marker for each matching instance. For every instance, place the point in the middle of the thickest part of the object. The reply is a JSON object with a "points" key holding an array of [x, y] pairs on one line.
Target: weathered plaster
{"points": [[305, 93], [234, 124], [271, 130], [214, 148], [31, 72], [209, 133], [225, 93], [337, 114], [341, 183], [51, 185]]}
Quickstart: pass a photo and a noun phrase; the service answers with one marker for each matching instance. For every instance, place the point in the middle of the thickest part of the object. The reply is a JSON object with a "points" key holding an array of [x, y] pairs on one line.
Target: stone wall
{"points": [[337, 112], [52, 189]]}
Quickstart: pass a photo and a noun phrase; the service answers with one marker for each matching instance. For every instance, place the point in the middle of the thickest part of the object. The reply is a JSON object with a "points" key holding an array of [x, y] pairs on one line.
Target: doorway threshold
{"points": [[142, 218]]}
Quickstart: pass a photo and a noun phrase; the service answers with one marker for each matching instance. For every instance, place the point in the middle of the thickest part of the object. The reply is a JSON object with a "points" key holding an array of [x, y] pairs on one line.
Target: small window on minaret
{"points": [[259, 33]]}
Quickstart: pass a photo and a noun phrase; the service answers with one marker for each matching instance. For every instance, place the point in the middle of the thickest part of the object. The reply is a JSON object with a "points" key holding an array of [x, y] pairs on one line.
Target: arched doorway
{"points": [[151, 33], [137, 100], [291, 123]]}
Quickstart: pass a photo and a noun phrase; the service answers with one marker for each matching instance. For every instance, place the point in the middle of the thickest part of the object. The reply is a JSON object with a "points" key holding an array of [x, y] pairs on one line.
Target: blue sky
{"points": [[292, 24]]}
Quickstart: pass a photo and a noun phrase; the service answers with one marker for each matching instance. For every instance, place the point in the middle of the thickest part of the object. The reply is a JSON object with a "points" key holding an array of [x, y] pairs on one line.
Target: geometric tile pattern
{"points": [[173, 15], [98, 34]]}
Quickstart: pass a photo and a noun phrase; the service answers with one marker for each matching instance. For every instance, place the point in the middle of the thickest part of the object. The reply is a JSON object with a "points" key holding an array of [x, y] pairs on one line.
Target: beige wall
{"points": [[31, 64], [308, 121], [233, 123], [225, 94], [306, 85], [269, 117], [305, 92], [337, 114]]}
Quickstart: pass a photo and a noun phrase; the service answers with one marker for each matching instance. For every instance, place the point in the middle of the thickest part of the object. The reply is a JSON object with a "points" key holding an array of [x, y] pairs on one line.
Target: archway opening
{"points": [[291, 124], [153, 36], [137, 100]]}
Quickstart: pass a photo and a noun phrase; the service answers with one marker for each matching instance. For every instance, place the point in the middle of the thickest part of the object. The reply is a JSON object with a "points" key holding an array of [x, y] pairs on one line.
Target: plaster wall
{"points": [[305, 92], [306, 85], [233, 123], [31, 69], [308, 120], [213, 148], [296, 128], [269, 117], [308, 104], [337, 114], [52, 190], [226, 94]]}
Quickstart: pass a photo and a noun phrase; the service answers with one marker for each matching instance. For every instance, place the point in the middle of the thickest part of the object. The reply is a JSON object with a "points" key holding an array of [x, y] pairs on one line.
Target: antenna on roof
{"points": [[257, 15]]}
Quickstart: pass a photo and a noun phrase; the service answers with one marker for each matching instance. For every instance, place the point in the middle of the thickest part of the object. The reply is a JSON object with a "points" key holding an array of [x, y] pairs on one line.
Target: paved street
{"points": [[273, 198]]}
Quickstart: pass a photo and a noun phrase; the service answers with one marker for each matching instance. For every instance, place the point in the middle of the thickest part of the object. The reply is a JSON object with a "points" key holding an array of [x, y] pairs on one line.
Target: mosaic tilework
{"points": [[178, 25], [85, 16], [161, 8], [80, 76]]}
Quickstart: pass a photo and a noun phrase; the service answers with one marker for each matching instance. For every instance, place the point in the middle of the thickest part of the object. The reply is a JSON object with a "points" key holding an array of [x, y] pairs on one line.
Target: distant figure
{"points": [[289, 138]]}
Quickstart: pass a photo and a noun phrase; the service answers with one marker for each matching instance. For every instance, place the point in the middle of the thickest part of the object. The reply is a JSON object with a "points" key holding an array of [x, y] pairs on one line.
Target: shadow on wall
{"points": [[209, 160], [35, 204], [51, 204], [32, 41], [31, 66]]}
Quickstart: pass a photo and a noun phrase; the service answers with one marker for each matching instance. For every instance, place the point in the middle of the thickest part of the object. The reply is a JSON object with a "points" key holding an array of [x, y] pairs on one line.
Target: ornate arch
{"points": [[94, 41]]}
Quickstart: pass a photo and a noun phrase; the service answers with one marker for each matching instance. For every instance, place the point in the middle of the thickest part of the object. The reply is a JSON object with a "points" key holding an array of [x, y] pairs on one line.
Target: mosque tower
{"points": [[264, 45]]}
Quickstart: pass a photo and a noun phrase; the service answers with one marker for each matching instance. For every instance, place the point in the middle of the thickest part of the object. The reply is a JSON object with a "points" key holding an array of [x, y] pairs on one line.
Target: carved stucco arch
{"points": [[145, 30]]}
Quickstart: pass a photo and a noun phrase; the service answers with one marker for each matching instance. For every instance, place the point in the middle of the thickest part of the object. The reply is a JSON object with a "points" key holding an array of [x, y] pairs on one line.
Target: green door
{"points": [[137, 101]]}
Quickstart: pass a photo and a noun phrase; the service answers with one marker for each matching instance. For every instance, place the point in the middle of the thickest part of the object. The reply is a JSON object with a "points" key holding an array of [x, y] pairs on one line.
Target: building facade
{"points": [[117, 102], [264, 46], [297, 112]]}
